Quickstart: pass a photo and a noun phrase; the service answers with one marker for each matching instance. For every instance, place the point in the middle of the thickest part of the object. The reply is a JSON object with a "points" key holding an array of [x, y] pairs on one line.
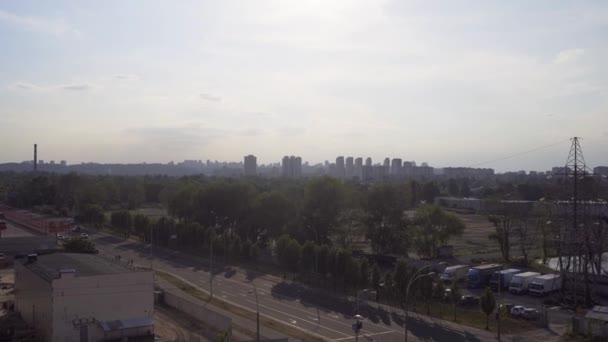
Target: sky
{"points": [[452, 83]]}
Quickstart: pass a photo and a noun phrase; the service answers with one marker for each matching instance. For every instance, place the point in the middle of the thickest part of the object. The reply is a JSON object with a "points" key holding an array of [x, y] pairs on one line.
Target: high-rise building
{"points": [[396, 167], [250, 165], [368, 161], [349, 168], [291, 167], [297, 167], [359, 168], [340, 170], [387, 166]]}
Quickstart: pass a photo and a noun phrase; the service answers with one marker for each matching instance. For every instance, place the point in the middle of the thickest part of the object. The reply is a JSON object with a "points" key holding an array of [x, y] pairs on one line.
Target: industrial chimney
{"points": [[35, 157]]}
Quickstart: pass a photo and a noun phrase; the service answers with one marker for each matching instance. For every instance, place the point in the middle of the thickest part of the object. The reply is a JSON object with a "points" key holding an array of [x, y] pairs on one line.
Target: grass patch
{"points": [[475, 318], [264, 321]]}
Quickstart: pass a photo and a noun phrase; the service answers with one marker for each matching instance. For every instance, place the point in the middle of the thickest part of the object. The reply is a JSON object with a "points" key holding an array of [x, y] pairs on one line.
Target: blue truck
{"points": [[479, 276]]}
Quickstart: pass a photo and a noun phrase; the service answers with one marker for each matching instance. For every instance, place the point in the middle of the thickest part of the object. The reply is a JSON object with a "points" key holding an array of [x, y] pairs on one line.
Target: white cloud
{"points": [[126, 77], [210, 97], [568, 56], [76, 86], [56, 27]]}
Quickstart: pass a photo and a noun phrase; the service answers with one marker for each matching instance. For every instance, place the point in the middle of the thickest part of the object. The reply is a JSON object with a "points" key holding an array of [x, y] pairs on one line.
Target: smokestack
{"points": [[35, 157]]}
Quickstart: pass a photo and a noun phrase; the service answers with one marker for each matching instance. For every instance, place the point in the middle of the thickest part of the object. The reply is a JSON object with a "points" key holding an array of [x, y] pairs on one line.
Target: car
{"points": [[76, 229], [530, 314], [469, 300], [84, 236], [517, 310]]}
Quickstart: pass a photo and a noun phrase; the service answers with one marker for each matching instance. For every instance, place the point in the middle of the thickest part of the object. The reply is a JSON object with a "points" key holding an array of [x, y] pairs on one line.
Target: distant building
{"points": [[340, 169], [467, 172], [368, 161], [349, 168], [359, 168], [396, 167], [83, 297], [250, 165], [291, 167], [63, 163], [601, 171]]}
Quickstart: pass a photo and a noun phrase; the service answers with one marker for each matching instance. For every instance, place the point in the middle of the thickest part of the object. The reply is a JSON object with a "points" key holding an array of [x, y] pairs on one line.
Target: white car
{"points": [[517, 310], [84, 236]]}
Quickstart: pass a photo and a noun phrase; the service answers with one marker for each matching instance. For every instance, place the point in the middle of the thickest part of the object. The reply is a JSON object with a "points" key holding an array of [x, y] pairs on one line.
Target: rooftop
{"points": [[48, 266]]}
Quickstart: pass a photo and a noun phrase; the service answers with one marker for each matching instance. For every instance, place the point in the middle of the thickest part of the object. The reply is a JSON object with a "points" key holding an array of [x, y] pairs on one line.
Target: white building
{"points": [[83, 297]]}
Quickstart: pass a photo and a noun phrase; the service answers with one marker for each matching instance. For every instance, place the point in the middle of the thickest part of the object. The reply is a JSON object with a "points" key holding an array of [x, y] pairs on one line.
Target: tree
{"points": [[387, 226], [503, 225], [455, 294], [141, 224], [323, 201], [350, 227], [487, 303], [324, 259], [254, 252], [79, 245], [376, 277], [308, 257], [365, 270], [434, 228], [425, 288], [401, 277], [439, 293]]}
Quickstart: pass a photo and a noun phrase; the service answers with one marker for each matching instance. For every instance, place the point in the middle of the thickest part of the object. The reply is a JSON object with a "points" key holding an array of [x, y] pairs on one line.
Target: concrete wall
{"points": [[89, 300], [33, 300], [196, 308]]}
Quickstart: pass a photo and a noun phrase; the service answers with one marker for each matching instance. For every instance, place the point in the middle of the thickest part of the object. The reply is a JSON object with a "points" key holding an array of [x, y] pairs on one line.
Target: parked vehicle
{"points": [[530, 314], [454, 273], [517, 310], [545, 284], [84, 236], [519, 282], [469, 300], [500, 280], [479, 276]]}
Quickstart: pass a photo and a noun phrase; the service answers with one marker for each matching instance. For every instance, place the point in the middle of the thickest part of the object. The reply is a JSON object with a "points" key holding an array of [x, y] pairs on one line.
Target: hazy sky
{"points": [[448, 82]]}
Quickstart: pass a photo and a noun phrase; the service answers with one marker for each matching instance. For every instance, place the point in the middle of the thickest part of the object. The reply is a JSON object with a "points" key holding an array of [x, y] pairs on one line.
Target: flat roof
{"points": [[48, 266]]}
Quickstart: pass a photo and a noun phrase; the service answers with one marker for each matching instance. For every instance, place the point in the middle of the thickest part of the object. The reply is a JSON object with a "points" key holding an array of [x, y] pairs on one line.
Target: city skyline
{"points": [[448, 84]]}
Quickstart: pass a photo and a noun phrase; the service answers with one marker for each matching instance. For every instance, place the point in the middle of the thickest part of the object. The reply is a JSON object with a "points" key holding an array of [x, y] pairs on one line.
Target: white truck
{"points": [[454, 273], [519, 282], [501, 280], [545, 284]]}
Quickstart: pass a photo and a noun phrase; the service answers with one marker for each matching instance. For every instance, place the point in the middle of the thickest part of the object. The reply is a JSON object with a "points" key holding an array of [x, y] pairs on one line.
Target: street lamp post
{"points": [[415, 277]]}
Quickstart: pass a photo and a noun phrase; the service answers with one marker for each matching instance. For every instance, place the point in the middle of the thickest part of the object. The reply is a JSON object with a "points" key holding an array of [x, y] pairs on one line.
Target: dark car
{"points": [[469, 300]]}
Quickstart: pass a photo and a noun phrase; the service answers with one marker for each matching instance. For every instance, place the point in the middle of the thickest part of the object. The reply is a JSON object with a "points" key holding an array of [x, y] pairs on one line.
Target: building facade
{"points": [[250, 165], [73, 297]]}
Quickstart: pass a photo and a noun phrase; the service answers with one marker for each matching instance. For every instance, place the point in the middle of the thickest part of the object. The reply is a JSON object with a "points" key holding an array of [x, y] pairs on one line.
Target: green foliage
{"points": [[386, 223], [324, 199], [433, 228], [79, 245], [309, 252], [122, 222], [455, 294], [487, 303]]}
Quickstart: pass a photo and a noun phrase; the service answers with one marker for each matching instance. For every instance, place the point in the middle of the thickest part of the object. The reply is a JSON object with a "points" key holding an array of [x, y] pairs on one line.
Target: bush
{"points": [[79, 246]]}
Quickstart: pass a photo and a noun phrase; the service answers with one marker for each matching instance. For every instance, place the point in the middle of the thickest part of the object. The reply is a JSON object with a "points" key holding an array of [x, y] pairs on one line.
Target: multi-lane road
{"points": [[290, 303]]}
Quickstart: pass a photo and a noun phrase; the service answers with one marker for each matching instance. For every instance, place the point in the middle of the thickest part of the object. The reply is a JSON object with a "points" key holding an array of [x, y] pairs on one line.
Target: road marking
{"points": [[285, 313], [368, 336]]}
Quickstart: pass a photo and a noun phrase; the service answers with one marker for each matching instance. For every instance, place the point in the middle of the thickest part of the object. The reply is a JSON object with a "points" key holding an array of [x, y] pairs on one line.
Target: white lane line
{"points": [[366, 335], [286, 314]]}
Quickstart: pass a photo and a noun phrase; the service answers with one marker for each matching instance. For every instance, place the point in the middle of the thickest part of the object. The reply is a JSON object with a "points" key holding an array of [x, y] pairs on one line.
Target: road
{"points": [[287, 302], [15, 231]]}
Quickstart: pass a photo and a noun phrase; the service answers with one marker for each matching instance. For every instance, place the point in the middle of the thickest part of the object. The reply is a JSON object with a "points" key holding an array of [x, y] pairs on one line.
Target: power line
{"points": [[520, 153]]}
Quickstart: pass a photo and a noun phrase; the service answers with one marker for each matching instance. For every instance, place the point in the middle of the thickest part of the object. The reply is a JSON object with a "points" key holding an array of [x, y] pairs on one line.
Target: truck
{"points": [[519, 282], [479, 276], [545, 284], [454, 273], [500, 280]]}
